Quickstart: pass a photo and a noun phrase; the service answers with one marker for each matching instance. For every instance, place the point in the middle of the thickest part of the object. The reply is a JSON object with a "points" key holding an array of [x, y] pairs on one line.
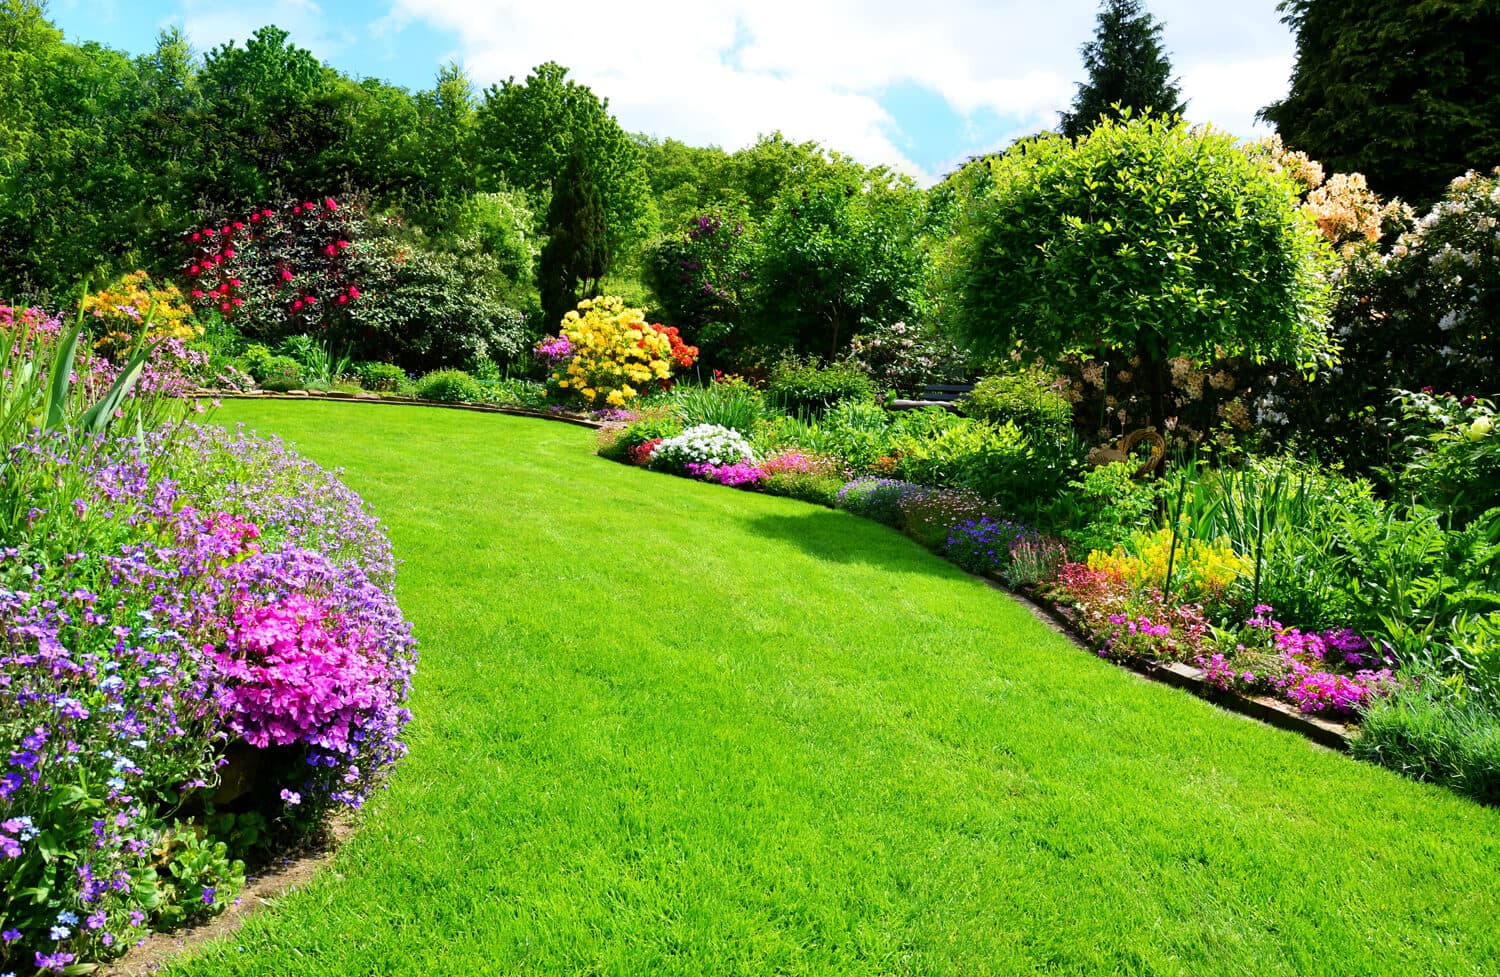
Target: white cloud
{"points": [[726, 72]]}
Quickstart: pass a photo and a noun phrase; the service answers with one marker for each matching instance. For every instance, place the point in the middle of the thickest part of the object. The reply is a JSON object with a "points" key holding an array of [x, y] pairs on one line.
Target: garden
{"points": [[799, 647]]}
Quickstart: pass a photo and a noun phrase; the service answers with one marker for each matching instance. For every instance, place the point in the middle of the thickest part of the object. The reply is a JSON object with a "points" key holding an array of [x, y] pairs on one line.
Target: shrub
{"points": [[1452, 453], [279, 270], [800, 475], [1427, 732], [998, 462], [807, 388], [429, 310], [704, 444], [115, 314], [615, 353], [382, 377], [515, 393], [1031, 400], [271, 371], [449, 387], [903, 358], [1136, 240], [1105, 507], [698, 277]]}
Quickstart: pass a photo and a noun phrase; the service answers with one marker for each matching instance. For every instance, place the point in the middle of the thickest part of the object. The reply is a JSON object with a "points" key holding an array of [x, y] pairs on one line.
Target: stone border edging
{"points": [[351, 398], [1272, 712]]}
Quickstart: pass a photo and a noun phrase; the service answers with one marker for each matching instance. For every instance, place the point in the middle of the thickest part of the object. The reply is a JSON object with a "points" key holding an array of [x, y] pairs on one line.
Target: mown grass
{"points": [[669, 728]]}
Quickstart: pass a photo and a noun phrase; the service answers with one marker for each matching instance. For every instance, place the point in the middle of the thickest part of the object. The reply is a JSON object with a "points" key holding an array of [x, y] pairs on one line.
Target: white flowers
{"points": [[704, 444]]}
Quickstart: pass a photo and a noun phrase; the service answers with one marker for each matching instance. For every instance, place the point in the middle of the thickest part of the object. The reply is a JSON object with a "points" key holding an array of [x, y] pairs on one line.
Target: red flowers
{"points": [[330, 204], [286, 274], [684, 354]]}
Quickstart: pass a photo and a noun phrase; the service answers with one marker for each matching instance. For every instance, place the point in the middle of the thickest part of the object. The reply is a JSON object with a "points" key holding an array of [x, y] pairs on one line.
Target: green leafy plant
{"points": [[449, 387], [1029, 399], [382, 377], [807, 387]]}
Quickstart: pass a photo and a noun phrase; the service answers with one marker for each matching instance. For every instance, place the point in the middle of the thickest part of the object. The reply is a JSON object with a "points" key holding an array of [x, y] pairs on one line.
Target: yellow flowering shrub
{"points": [[1203, 569], [615, 353], [119, 309]]}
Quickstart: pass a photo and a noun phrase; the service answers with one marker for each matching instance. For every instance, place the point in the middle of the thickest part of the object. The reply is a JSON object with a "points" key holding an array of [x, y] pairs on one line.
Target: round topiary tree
{"points": [[1144, 240]]}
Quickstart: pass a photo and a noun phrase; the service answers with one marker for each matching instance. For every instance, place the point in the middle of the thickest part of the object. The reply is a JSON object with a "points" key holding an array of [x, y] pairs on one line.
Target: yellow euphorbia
{"points": [[614, 352], [1201, 567]]}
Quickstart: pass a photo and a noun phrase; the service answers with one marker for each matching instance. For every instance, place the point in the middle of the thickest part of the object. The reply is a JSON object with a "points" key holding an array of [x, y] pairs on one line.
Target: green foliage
{"points": [[576, 255], [526, 132], [1145, 238], [1127, 69], [1434, 66], [272, 371], [512, 392], [998, 462], [1030, 399], [805, 386], [1427, 732], [1451, 453], [382, 377], [1104, 507], [839, 252], [426, 309], [733, 405], [449, 387], [817, 488], [699, 276]]}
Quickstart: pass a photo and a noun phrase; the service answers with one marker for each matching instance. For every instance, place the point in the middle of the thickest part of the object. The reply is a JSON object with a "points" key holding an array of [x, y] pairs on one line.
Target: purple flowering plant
{"points": [[164, 598]]}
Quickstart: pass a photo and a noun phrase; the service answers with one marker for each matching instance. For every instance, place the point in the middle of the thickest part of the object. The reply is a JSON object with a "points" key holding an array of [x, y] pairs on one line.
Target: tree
{"points": [[1145, 238], [1406, 93], [839, 252], [1127, 69], [526, 131], [577, 251]]}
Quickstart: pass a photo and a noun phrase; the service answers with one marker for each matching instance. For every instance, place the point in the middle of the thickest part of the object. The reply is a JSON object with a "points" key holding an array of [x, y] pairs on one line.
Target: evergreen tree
{"points": [[577, 252], [1405, 92], [1126, 66]]}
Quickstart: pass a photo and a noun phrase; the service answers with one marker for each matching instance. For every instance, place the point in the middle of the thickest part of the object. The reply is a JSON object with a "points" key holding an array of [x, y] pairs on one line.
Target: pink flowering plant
{"points": [[1333, 672], [165, 601]]}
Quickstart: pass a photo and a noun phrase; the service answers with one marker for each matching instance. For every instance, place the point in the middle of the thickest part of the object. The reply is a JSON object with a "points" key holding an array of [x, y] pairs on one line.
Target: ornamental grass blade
{"points": [[62, 375]]}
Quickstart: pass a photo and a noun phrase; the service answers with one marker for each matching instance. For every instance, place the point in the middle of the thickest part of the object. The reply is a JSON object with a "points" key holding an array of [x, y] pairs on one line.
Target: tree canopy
{"points": [[1406, 93]]}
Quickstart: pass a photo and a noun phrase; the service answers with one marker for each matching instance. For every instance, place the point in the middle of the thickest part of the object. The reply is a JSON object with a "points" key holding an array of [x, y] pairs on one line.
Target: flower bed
{"points": [[166, 601]]}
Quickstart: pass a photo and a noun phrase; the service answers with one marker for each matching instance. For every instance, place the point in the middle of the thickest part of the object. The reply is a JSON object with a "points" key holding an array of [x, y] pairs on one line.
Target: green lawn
{"points": [[670, 728]]}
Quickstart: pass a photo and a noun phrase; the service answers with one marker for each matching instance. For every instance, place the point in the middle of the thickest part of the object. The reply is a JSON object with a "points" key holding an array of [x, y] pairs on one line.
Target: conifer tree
{"points": [[577, 253], [1127, 68]]}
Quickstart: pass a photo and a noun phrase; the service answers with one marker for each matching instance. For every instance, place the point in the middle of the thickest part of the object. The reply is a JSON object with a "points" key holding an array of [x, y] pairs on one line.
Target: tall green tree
{"points": [[1406, 92], [528, 130], [1127, 67], [839, 252], [577, 253]]}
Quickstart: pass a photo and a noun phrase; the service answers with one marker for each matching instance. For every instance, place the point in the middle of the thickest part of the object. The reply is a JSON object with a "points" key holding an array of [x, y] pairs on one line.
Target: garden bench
{"points": [[944, 395]]}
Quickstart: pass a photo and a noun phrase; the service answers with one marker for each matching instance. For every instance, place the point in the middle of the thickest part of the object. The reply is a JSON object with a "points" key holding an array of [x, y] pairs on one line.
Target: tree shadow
{"points": [[837, 537]]}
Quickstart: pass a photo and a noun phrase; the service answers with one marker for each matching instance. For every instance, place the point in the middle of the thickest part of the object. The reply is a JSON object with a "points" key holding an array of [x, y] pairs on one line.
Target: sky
{"points": [[917, 86]]}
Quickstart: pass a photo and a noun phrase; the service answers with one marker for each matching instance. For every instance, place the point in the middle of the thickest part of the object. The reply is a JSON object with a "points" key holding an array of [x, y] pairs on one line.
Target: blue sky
{"points": [[919, 87]]}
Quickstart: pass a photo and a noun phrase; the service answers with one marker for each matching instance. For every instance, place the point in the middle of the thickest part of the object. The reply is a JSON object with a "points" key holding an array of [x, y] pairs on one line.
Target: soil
{"points": [[261, 891]]}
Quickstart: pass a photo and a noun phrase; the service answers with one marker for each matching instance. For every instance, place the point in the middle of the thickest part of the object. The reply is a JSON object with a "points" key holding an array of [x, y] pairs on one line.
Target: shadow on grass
{"points": [[840, 538]]}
